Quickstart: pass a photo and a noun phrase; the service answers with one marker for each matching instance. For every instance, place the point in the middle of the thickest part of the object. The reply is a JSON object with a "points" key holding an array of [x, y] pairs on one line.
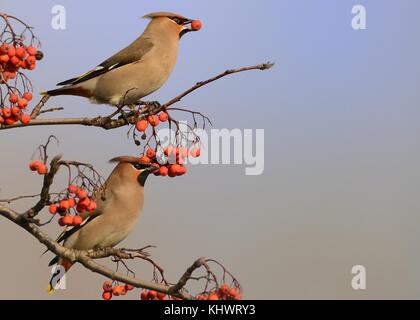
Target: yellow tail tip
{"points": [[44, 93], [50, 289]]}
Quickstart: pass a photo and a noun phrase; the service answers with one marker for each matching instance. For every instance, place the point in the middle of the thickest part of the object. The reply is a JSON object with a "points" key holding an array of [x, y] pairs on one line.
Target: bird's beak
{"points": [[145, 174], [187, 25], [190, 25]]}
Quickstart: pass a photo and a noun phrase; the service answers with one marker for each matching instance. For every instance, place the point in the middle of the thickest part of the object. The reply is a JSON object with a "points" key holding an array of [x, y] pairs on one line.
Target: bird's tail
{"points": [[59, 272], [66, 91]]}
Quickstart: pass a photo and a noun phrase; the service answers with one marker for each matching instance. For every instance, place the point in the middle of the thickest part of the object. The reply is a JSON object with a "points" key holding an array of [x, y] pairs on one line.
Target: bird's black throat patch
{"points": [[143, 177]]}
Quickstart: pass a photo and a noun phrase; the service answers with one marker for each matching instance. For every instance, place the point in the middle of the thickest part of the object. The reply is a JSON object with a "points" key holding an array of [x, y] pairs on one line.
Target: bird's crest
{"points": [[128, 159], [154, 15]]}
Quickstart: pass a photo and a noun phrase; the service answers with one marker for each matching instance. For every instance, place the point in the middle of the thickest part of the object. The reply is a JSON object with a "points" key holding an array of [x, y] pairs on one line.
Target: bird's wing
{"points": [[67, 233], [134, 52]]}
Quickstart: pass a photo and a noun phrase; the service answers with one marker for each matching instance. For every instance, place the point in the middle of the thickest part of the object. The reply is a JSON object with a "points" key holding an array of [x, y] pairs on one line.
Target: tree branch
{"points": [[107, 122], [86, 258]]}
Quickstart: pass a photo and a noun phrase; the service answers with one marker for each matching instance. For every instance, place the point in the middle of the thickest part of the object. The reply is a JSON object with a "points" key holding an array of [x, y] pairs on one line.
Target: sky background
{"points": [[341, 117]]}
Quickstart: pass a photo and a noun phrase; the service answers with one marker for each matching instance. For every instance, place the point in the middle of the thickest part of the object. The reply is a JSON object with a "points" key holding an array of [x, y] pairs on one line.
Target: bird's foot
{"points": [[151, 106]]}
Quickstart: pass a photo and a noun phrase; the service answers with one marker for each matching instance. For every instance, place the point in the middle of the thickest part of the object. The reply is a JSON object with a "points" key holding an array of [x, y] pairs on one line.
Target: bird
{"points": [[119, 207], [137, 70]]}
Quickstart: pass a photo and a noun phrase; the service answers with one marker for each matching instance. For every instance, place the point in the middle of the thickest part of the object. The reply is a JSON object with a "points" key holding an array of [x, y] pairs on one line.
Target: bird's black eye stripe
{"points": [[139, 166], [179, 21]]}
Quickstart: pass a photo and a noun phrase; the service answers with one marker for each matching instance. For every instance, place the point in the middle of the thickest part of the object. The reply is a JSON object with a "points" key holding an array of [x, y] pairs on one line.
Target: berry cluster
{"points": [[152, 295], [38, 166], [77, 199], [111, 290], [174, 163], [225, 292], [12, 59], [153, 120], [14, 113], [169, 161]]}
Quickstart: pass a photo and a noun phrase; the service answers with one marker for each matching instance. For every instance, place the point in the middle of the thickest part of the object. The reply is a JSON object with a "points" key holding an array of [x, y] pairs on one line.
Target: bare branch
{"points": [[264, 66]]}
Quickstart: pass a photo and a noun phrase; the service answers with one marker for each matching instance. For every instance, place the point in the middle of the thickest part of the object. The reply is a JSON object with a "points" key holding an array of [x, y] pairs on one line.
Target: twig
{"points": [[51, 110], [264, 66], [37, 110]]}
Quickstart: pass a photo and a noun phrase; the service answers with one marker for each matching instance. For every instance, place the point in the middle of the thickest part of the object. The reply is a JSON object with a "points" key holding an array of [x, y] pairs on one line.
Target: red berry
{"points": [[28, 96], [42, 169], [152, 294], [53, 209], [4, 48], [77, 220], [23, 103], [21, 52], [7, 112], [15, 61], [31, 51], [80, 208], [163, 117], [213, 296], [168, 151], [34, 165], [145, 160], [163, 171], [13, 98], [129, 287], [196, 25], [4, 58], [144, 295], [10, 121], [92, 206], [142, 125], [26, 118], [174, 170], [12, 51], [16, 111], [107, 295], [151, 153], [81, 194], [160, 296], [119, 291], [72, 189], [107, 286], [195, 152], [85, 202], [64, 204], [153, 120], [182, 170], [23, 64], [72, 202], [68, 220], [31, 60]]}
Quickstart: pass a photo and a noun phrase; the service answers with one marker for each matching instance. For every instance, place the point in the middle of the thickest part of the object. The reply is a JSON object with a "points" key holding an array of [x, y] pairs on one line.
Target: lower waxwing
{"points": [[118, 210]]}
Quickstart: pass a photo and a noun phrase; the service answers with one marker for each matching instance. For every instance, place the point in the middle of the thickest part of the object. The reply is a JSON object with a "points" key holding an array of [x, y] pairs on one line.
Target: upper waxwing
{"points": [[139, 69], [119, 207]]}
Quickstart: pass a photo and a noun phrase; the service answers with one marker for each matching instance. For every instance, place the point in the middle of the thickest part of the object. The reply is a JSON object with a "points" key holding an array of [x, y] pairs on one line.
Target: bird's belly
{"points": [[97, 234], [121, 86]]}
